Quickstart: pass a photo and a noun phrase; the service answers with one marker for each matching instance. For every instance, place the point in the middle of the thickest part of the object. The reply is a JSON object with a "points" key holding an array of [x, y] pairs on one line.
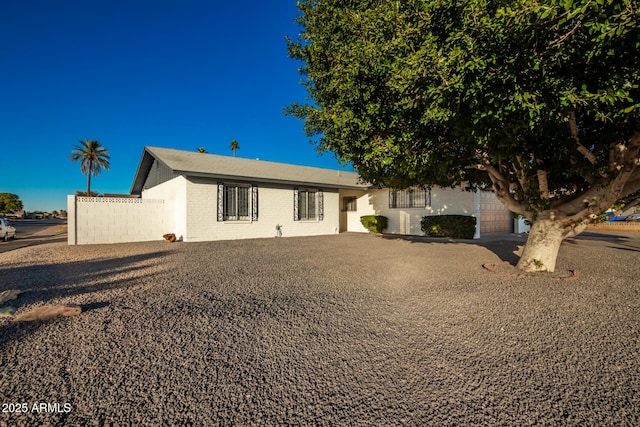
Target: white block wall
{"points": [[175, 191], [275, 207], [93, 220], [444, 201]]}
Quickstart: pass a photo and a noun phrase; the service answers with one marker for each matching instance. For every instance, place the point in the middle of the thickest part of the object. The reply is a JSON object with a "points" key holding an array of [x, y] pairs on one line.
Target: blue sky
{"points": [[172, 74]]}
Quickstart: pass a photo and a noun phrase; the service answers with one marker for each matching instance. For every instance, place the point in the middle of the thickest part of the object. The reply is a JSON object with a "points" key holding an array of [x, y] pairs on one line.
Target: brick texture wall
{"points": [[275, 208], [93, 220]]}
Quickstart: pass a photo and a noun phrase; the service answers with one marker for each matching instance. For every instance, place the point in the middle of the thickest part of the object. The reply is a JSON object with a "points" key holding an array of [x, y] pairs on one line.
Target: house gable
{"points": [[158, 173]]}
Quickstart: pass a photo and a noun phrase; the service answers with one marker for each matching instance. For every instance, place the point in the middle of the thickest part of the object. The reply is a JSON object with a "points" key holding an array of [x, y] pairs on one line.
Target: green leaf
{"points": [[574, 13], [416, 92]]}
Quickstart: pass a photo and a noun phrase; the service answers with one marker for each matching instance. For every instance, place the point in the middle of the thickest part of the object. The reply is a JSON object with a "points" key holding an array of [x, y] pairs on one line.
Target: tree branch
{"points": [[574, 133], [501, 190], [625, 162], [633, 185], [559, 41], [543, 184], [521, 175], [616, 156], [598, 199]]}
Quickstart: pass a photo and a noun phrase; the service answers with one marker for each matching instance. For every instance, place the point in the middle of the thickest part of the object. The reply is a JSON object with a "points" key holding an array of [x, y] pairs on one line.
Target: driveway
{"points": [[352, 330]]}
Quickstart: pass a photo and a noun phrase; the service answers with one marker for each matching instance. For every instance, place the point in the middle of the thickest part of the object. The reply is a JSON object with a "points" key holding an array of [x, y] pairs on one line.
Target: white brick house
{"points": [[222, 198], [202, 197]]}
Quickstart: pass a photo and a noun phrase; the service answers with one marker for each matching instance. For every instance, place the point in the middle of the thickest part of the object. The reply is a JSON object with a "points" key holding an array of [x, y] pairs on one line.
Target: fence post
{"points": [[72, 221]]}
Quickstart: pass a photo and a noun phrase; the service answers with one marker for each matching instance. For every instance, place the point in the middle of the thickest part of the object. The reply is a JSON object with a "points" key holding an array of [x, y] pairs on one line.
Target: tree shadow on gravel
{"points": [[508, 246], [94, 306], [42, 283], [29, 275], [506, 249], [12, 331], [624, 242], [30, 241]]}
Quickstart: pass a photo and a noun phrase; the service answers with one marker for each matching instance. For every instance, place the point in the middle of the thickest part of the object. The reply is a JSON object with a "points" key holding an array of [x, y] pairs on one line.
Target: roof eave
{"points": [[272, 181], [144, 166]]}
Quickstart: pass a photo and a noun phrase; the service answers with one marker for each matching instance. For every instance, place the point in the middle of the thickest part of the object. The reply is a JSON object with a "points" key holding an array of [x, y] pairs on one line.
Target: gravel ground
{"points": [[352, 330]]}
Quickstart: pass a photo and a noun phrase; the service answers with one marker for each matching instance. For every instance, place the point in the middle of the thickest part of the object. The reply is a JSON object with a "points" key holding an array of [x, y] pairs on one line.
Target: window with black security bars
{"points": [[410, 198], [236, 203], [307, 205]]}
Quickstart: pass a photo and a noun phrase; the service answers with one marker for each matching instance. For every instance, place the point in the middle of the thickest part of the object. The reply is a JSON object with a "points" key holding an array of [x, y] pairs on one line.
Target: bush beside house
{"points": [[374, 223], [454, 226]]}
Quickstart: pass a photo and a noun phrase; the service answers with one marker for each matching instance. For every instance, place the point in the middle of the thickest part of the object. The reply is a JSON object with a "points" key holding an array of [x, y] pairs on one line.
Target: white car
{"points": [[7, 231]]}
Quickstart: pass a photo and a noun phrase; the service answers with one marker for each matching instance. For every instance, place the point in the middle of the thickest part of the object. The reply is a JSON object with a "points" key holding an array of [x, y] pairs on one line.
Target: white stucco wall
{"points": [[351, 219], [175, 191], [93, 220], [444, 201], [275, 207]]}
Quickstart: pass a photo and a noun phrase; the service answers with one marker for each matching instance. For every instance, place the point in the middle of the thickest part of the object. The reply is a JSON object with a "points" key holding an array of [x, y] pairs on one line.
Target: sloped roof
{"points": [[191, 163]]}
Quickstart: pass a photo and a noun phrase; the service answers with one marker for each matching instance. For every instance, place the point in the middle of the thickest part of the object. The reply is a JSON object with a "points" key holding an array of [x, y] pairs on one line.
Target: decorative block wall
{"points": [[93, 220]]}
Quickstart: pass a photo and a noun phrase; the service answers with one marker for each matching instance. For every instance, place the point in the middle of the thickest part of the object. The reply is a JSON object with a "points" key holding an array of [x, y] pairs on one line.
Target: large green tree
{"points": [[92, 157], [9, 202], [537, 99]]}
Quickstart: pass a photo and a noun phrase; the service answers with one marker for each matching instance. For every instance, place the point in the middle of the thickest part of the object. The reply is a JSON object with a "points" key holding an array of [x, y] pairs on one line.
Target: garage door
{"points": [[494, 217]]}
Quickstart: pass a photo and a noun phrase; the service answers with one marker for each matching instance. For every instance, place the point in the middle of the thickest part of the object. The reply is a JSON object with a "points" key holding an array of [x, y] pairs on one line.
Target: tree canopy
{"points": [[10, 202], [540, 100]]}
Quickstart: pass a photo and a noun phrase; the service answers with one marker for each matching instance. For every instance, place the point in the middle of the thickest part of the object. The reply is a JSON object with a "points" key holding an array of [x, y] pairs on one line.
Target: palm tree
{"points": [[93, 158], [202, 150], [234, 146]]}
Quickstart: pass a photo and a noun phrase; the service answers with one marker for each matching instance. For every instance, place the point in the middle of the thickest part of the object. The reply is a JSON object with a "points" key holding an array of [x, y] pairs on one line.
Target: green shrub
{"points": [[454, 226], [374, 223]]}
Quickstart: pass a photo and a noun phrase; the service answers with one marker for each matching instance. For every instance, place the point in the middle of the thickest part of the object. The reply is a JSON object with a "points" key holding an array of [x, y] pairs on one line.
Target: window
{"points": [[409, 198], [308, 205], [350, 204], [237, 202]]}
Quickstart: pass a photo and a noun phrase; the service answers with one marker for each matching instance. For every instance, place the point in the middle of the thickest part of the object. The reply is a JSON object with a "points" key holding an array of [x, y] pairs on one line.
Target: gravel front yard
{"points": [[352, 330]]}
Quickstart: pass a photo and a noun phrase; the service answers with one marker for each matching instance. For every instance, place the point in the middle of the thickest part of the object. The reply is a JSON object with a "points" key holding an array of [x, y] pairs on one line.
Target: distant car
{"points": [[634, 217], [7, 231]]}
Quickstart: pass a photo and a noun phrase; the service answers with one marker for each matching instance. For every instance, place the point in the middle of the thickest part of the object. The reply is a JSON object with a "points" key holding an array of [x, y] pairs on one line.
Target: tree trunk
{"points": [[541, 250], [89, 181]]}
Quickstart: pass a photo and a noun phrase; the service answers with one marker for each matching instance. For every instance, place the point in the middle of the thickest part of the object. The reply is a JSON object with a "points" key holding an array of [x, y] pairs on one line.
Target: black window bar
{"points": [[410, 198]]}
